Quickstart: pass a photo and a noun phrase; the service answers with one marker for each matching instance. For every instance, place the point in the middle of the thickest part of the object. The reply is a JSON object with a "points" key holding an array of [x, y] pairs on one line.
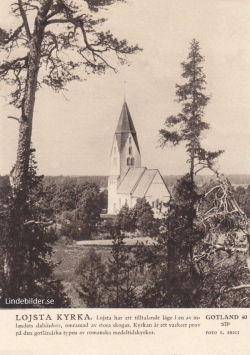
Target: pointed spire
{"points": [[125, 124], [124, 127]]}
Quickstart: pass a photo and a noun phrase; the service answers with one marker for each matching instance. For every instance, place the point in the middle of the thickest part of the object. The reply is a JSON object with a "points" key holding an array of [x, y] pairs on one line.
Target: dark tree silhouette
{"points": [[36, 276]]}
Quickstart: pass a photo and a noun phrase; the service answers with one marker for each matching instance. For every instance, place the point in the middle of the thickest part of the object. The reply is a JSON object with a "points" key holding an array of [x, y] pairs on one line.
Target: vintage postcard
{"points": [[124, 177]]}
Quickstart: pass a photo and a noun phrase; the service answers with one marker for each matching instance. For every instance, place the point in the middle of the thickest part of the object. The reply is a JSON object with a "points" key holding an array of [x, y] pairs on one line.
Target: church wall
{"points": [[157, 194], [157, 190], [115, 159], [118, 200], [112, 195], [124, 199]]}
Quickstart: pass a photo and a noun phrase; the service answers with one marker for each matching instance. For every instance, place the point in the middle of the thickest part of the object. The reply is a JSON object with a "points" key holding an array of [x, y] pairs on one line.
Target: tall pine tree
{"points": [[189, 124], [182, 232]]}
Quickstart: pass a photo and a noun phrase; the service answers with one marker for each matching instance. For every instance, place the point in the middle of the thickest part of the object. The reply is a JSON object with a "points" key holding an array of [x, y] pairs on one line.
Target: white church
{"points": [[129, 180]]}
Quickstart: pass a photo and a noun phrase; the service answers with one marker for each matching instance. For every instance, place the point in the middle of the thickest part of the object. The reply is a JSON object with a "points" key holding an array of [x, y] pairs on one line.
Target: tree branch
{"points": [[24, 17], [51, 22], [32, 7], [6, 66], [14, 35], [234, 288], [53, 13], [38, 223], [225, 289], [72, 20], [14, 118]]}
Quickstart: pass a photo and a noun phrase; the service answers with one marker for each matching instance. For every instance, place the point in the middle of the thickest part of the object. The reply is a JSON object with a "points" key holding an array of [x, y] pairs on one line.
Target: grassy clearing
{"points": [[67, 257]]}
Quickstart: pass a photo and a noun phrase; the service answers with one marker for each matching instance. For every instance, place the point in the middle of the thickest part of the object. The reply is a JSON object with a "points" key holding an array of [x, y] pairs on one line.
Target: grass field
{"points": [[67, 257]]}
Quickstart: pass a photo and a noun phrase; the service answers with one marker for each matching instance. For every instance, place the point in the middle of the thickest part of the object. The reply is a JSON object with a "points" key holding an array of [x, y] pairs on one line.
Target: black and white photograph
{"points": [[125, 166]]}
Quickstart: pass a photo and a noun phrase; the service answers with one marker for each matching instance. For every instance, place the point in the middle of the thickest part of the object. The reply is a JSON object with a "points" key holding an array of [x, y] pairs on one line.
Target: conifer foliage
{"points": [[122, 289], [36, 268], [91, 273], [189, 126]]}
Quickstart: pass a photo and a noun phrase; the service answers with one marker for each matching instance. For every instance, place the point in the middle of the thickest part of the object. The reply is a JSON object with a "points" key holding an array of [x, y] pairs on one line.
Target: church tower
{"points": [[128, 181], [125, 154]]}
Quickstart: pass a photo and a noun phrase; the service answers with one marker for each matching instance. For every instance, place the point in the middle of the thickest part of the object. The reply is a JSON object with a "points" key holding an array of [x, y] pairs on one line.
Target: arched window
{"points": [[114, 208], [128, 161], [157, 203], [130, 150], [153, 204], [132, 161], [126, 201]]}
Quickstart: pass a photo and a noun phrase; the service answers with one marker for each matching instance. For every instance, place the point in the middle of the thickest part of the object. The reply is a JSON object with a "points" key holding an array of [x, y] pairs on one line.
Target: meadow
{"points": [[67, 257]]}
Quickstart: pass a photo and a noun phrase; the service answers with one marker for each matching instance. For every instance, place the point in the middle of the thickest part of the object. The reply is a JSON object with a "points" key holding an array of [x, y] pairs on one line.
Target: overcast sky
{"points": [[73, 130]]}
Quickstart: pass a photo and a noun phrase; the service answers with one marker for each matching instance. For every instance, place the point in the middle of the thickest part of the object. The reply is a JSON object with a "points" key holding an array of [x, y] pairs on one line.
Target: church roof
{"points": [[124, 128], [130, 180], [144, 183], [137, 182]]}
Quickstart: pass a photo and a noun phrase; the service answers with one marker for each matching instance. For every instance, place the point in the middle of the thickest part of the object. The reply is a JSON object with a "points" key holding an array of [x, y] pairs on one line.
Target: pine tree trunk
{"points": [[18, 177]]}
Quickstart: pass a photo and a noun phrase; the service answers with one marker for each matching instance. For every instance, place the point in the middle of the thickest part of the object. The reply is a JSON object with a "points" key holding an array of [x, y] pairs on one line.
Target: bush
{"points": [[125, 220]]}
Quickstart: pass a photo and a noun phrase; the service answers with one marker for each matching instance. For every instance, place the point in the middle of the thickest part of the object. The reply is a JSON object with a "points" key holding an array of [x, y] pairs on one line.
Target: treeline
{"points": [[170, 180], [76, 205], [235, 179], [102, 181], [66, 193]]}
